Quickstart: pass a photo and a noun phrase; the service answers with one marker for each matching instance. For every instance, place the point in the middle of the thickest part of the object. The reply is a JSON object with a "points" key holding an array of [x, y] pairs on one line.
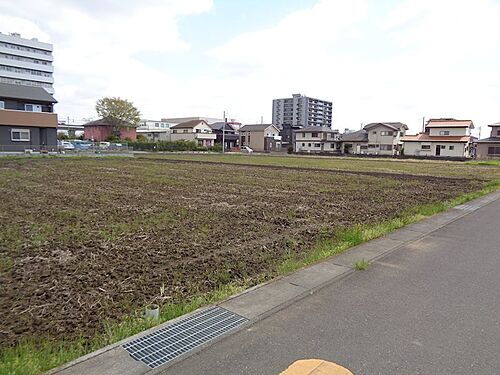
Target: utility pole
{"points": [[223, 132], [423, 124]]}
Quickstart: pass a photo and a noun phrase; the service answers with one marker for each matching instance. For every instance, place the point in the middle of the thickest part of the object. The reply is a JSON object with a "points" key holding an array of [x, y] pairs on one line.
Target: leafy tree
{"points": [[118, 112]]}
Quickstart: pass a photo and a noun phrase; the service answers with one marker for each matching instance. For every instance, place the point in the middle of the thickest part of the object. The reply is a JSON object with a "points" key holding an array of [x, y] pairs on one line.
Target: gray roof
{"points": [[393, 125], [25, 92], [319, 129], [256, 127], [218, 126], [489, 140], [358, 136]]}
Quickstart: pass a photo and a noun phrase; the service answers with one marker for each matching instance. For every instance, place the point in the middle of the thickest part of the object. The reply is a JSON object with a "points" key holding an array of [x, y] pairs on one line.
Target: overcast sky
{"points": [[377, 60]]}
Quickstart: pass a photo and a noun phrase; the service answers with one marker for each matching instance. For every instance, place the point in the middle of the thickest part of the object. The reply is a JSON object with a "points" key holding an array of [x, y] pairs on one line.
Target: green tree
{"points": [[118, 112]]}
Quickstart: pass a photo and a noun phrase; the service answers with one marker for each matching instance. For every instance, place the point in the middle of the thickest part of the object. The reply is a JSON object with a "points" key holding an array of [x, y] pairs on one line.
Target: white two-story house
{"points": [[194, 130], [444, 137], [154, 130], [317, 139], [384, 138]]}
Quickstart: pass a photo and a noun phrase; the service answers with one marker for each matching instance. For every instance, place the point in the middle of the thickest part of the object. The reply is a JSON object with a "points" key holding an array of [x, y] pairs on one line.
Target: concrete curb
{"points": [[265, 299]]}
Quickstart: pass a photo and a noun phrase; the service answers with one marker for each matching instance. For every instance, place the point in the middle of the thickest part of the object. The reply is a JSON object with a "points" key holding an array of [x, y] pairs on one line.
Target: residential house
{"points": [[445, 137], [101, 130], [384, 138], [354, 143], [27, 118], [230, 135], [317, 139], [194, 130], [489, 148], [261, 137], [154, 130]]}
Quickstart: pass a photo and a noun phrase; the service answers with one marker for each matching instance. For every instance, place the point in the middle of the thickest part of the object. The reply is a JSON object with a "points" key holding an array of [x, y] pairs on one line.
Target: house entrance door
{"points": [[438, 150]]}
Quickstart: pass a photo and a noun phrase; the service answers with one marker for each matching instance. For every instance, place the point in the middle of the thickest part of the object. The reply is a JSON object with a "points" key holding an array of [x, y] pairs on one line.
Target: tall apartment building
{"points": [[300, 111], [26, 62]]}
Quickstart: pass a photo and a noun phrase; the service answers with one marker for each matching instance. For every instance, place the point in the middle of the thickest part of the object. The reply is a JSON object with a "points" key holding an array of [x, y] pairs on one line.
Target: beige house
{"points": [[489, 148], [261, 137], [354, 143], [194, 130], [317, 139], [442, 138], [384, 138]]}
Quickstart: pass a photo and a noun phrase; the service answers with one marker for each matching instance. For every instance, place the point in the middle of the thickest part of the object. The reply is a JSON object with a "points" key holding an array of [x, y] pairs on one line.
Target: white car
{"points": [[67, 145], [246, 149]]}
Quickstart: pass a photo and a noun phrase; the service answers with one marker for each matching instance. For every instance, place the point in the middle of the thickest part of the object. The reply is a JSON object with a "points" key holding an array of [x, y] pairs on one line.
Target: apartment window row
{"points": [[25, 82], [25, 59], [24, 48], [25, 71], [444, 132], [442, 147], [381, 147], [387, 133]]}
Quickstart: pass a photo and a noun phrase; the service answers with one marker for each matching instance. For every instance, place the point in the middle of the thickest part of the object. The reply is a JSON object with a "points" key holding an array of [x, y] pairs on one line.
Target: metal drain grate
{"points": [[168, 343]]}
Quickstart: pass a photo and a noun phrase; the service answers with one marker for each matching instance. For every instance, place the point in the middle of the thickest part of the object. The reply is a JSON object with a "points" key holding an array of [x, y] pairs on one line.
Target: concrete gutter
{"points": [[263, 300]]}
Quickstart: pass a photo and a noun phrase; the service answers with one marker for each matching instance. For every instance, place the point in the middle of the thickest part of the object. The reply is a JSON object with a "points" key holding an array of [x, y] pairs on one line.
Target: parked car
{"points": [[104, 144], [66, 145], [82, 145], [246, 149]]}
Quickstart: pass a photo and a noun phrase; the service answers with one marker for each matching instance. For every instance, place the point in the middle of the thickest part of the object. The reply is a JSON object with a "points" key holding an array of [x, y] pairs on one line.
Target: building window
{"points": [[386, 133], [498, 132], [308, 145], [364, 147], [386, 147], [184, 130], [426, 147], [317, 145], [20, 135], [33, 107], [444, 132], [243, 140], [2, 105], [494, 150], [314, 135], [174, 131], [157, 125], [402, 134], [372, 146], [374, 132], [332, 145], [452, 147]]}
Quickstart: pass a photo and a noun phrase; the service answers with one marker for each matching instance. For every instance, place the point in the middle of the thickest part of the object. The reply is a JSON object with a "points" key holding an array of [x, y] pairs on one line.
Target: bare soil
{"points": [[85, 241]]}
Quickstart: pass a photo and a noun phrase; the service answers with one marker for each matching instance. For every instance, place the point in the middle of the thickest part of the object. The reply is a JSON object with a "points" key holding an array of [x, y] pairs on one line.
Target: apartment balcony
{"points": [[22, 118]]}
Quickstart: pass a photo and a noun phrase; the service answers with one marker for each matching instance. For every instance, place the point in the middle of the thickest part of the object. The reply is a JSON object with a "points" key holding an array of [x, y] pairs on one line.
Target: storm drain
{"points": [[168, 343]]}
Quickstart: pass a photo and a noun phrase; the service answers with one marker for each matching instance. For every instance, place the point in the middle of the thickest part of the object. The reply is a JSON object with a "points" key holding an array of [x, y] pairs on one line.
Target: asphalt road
{"points": [[432, 307]]}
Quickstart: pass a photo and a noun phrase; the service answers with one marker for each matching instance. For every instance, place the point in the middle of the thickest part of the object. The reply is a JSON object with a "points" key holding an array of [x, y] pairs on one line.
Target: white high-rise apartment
{"points": [[26, 62], [302, 111]]}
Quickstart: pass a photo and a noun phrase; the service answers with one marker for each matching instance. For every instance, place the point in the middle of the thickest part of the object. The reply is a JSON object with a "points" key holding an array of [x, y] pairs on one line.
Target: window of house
{"points": [[332, 145], [401, 134], [494, 150], [2, 104], [444, 132], [303, 144], [386, 133], [308, 145], [157, 125], [185, 131], [243, 140], [33, 107], [248, 138], [20, 135], [314, 135], [426, 147], [498, 132], [174, 131], [317, 145], [386, 147], [374, 132], [372, 146], [364, 147], [452, 147]]}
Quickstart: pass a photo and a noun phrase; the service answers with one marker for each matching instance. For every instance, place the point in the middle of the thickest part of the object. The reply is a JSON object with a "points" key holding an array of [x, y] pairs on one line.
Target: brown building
{"points": [[261, 137], [27, 120], [489, 148], [100, 130]]}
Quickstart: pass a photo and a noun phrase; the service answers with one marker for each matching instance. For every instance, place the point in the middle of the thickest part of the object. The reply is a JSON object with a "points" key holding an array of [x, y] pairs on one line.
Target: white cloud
{"points": [[422, 58], [374, 61], [97, 44]]}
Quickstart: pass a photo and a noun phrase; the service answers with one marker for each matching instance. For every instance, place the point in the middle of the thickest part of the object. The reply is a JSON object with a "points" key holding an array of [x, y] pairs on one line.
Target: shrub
{"points": [[289, 150], [113, 138], [166, 146], [216, 148]]}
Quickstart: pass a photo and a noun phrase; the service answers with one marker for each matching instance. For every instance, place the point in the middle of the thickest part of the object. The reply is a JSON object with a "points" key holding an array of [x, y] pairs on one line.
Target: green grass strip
{"points": [[29, 357]]}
